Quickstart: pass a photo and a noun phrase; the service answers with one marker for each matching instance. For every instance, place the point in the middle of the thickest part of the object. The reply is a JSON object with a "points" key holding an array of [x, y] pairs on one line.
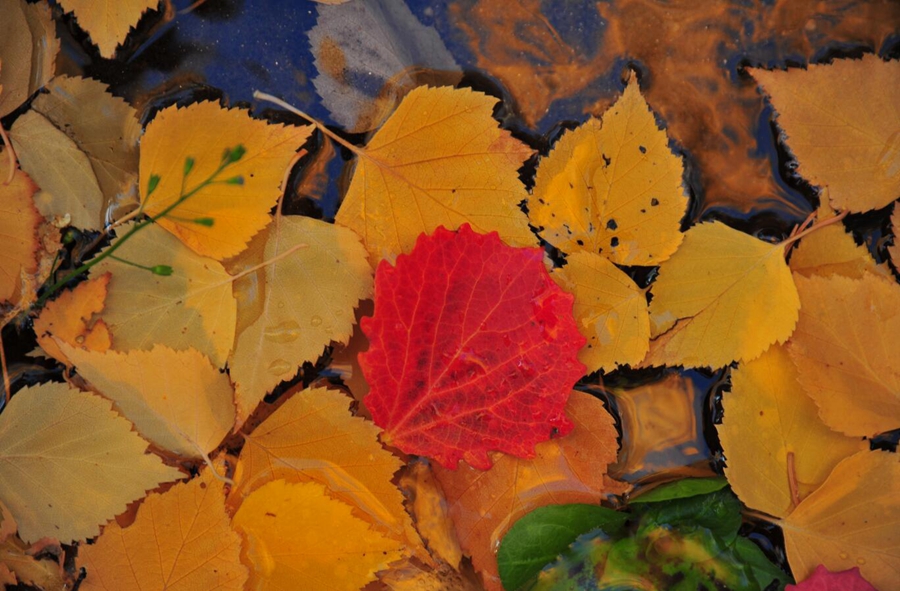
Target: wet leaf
{"points": [[440, 160], [28, 48], [841, 123], [308, 301], [73, 319], [108, 22], [83, 463], [472, 349], [612, 188], [724, 296], [824, 580], [852, 520], [176, 399], [831, 250], [429, 508], [202, 131], [681, 489], [610, 310], [296, 536], [845, 352], [19, 222]]}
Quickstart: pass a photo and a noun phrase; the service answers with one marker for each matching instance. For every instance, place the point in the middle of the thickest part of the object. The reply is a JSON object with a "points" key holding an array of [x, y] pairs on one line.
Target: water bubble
{"points": [[280, 367], [315, 320], [285, 332]]}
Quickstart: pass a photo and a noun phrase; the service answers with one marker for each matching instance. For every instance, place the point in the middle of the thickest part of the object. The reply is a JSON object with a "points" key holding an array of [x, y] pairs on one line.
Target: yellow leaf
{"points": [[202, 131], [612, 188], [19, 222], [68, 463], [193, 307], [724, 296], [176, 399], [439, 160], [108, 22], [572, 469], [71, 319], [842, 124], [767, 417], [28, 48], [831, 250], [307, 302], [430, 511], [611, 311], [846, 353], [180, 540], [299, 538], [17, 562], [852, 520]]}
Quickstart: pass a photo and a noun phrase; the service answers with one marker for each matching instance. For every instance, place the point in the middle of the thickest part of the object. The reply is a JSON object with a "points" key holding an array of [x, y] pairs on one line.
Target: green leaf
{"points": [[719, 512], [758, 566], [688, 487]]}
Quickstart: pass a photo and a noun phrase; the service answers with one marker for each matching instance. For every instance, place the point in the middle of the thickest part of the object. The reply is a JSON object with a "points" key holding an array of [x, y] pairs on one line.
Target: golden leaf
{"points": [[299, 538], [68, 463], [610, 309], [108, 22], [19, 222], [430, 511], [202, 131], [724, 296], [439, 160], [71, 318], [176, 399], [831, 250], [180, 540], [307, 302], [842, 124], [767, 417], [613, 188], [28, 48], [852, 520], [845, 351]]}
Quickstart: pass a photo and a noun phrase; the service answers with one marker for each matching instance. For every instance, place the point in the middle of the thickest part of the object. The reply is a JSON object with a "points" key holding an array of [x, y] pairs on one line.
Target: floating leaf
{"points": [[472, 349], [612, 188], [724, 296], [440, 160], [28, 48], [824, 580], [19, 222], [82, 460], [108, 22], [72, 318]]}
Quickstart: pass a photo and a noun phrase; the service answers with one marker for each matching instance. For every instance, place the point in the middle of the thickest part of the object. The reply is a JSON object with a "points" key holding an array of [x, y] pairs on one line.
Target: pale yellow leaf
{"points": [[203, 131], [193, 307], [108, 22], [68, 463], [852, 520], [19, 222], [724, 296], [176, 399], [71, 318], [612, 188], [439, 160], [308, 302], [610, 309], [296, 537], [767, 417]]}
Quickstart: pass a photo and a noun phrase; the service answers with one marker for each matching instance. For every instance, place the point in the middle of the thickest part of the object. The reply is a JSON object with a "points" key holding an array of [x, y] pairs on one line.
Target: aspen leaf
{"points": [[308, 303], [831, 250], [202, 131], [71, 318], [180, 540], [724, 296], [297, 537], [610, 310], [439, 160], [852, 520], [767, 417], [82, 460], [176, 399], [28, 48], [472, 349], [19, 222], [841, 122], [108, 22], [142, 309], [845, 351], [484, 505], [612, 188]]}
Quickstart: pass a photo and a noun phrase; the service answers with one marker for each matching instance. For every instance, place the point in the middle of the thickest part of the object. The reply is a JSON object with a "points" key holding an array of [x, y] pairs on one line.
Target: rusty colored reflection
{"points": [[689, 53]]}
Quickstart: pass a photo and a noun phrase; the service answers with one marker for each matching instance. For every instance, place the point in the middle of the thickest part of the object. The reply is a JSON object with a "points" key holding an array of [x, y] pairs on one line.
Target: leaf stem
{"points": [[792, 480], [761, 516], [262, 96], [255, 268], [819, 226]]}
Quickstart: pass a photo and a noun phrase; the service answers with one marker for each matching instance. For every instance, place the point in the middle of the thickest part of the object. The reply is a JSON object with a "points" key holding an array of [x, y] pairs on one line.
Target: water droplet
{"points": [[525, 368], [280, 367], [338, 312], [843, 555], [286, 332], [860, 561], [280, 305], [315, 320], [79, 339]]}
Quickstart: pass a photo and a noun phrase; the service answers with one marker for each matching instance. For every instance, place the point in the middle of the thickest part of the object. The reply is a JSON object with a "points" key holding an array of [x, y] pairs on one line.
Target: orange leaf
{"points": [[71, 319], [19, 221]]}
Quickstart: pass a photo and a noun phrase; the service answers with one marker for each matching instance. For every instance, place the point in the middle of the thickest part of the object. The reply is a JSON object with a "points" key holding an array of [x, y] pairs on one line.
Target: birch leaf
{"points": [[19, 222], [831, 250], [28, 49], [108, 22], [72, 318]]}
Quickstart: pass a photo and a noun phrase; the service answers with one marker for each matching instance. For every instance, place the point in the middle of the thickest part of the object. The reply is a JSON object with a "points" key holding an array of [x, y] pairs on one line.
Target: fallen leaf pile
{"points": [[258, 400]]}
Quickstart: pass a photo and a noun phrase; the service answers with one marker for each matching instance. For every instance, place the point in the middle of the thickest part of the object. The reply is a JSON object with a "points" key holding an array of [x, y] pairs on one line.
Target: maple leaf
{"points": [[177, 399], [841, 122], [823, 579], [406, 183], [28, 48], [845, 352], [180, 539], [83, 462], [723, 296], [297, 537], [239, 210], [852, 520], [71, 319], [771, 430], [19, 222], [612, 188], [610, 309], [108, 22], [472, 349], [307, 303], [484, 505]]}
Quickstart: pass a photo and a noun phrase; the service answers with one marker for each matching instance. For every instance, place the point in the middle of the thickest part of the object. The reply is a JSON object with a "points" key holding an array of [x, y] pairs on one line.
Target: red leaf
{"points": [[824, 580], [472, 349]]}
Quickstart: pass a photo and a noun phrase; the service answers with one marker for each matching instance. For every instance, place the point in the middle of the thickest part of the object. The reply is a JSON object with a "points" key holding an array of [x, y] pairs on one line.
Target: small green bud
{"points": [[188, 165], [235, 180], [208, 222], [152, 184], [69, 236], [232, 155], [164, 270]]}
